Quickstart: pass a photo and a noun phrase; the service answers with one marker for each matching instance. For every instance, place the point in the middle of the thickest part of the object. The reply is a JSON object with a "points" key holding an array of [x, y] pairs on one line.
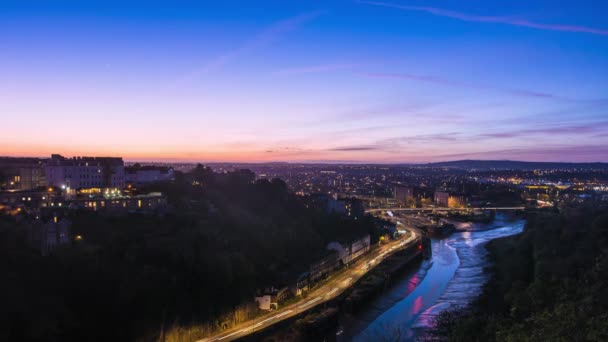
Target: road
{"points": [[329, 290]]}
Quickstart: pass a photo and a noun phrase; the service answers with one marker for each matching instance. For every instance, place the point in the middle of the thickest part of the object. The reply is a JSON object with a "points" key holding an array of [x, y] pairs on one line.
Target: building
{"points": [[441, 198], [324, 265], [351, 250], [336, 206], [47, 235], [354, 207], [350, 207], [271, 298], [148, 174], [29, 198], [302, 284], [85, 172], [403, 193], [121, 204], [21, 173], [444, 199], [457, 201]]}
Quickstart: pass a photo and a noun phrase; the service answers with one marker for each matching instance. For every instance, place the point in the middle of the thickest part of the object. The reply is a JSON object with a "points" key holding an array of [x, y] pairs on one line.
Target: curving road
{"points": [[330, 289]]}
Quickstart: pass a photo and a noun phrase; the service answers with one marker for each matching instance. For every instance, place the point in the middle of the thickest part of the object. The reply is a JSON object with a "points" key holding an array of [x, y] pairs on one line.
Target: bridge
{"points": [[443, 209]]}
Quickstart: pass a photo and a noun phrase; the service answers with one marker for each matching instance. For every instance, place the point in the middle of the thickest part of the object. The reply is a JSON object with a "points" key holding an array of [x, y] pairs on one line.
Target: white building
{"points": [[85, 172], [350, 251], [263, 301], [270, 298]]}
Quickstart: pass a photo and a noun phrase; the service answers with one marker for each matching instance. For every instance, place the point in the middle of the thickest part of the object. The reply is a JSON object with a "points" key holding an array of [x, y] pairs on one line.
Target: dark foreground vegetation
{"points": [[140, 277], [549, 283]]}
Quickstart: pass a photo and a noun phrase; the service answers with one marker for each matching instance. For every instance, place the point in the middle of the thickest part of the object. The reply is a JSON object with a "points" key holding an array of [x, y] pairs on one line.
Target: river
{"points": [[452, 277]]}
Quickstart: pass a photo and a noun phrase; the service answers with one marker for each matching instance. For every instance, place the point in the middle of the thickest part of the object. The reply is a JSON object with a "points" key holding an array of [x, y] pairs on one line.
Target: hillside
{"points": [[515, 165]]}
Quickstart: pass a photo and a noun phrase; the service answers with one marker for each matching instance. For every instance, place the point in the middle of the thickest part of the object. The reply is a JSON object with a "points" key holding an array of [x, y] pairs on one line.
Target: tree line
{"points": [[134, 277]]}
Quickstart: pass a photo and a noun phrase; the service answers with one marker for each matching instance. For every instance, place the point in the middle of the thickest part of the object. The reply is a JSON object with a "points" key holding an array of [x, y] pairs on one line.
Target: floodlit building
{"points": [[457, 201], [446, 200], [85, 172]]}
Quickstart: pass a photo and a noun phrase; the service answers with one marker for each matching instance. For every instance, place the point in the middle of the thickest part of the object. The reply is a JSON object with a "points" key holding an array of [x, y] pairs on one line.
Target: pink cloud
{"points": [[487, 19]]}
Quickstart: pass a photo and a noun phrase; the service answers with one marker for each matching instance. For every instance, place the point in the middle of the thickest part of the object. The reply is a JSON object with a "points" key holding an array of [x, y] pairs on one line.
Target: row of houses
{"points": [[336, 255], [350, 250], [77, 173]]}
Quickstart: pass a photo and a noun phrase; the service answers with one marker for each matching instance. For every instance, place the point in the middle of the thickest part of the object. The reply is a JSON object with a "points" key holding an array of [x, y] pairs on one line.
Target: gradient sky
{"points": [[355, 81]]}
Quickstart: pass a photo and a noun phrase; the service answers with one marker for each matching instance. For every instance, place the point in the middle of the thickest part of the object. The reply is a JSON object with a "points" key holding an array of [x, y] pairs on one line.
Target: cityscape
{"points": [[304, 171]]}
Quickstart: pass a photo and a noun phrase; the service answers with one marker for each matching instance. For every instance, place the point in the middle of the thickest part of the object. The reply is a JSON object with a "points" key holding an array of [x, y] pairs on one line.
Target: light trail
{"points": [[259, 324], [322, 294], [332, 292], [312, 301], [234, 333]]}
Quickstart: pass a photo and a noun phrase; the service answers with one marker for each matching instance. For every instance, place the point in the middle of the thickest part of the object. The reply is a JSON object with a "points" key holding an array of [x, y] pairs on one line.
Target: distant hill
{"points": [[515, 165]]}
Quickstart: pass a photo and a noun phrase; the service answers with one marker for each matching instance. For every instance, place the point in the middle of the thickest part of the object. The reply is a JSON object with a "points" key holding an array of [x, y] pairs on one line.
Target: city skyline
{"points": [[338, 81]]}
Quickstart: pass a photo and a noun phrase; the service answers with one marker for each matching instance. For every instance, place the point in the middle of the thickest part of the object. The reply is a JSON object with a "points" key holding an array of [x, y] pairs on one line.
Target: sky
{"points": [[393, 81]]}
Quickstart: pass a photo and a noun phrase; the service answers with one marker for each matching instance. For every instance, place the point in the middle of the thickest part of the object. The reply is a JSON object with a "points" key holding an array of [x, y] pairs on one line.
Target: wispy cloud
{"points": [[488, 19], [397, 144], [443, 81], [261, 40], [578, 153], [283, 149], [590, 128], [352, 148], [421, 138], [384, 111], [316, 69]]}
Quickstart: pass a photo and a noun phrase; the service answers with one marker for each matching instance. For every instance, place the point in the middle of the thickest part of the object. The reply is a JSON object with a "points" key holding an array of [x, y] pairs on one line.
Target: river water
{"points": [[452, 277]]}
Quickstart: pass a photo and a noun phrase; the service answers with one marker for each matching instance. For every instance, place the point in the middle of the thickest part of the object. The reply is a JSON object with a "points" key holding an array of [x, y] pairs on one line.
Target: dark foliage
{"points": [[129, 277], [549, 283]]}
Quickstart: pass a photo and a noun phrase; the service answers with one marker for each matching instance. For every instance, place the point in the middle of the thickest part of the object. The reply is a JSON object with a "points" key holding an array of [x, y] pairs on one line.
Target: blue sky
{"points": [[356, 81]]}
